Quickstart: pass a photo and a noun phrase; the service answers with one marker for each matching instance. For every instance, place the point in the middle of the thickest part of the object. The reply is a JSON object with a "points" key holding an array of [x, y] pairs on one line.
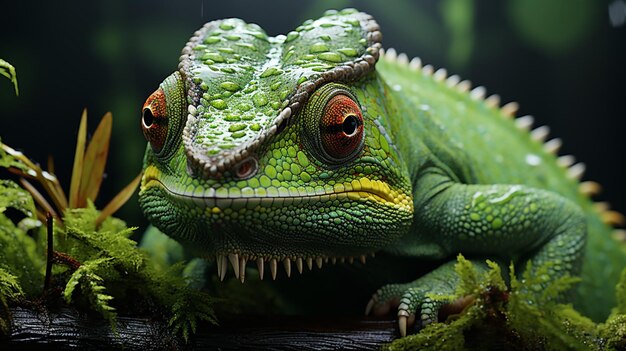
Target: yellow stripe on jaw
{"points": [[376, 190], [150, 175]]}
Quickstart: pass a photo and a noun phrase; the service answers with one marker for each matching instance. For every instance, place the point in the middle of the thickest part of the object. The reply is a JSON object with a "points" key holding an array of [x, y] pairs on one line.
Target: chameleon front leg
{"points": [[502, 222]]}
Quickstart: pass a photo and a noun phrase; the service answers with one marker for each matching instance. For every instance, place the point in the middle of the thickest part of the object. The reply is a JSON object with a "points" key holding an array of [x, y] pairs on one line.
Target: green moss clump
{"points": [[527, 315]]}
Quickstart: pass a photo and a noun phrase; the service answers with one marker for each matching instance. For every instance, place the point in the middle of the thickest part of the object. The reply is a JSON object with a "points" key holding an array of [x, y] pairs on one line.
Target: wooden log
{"points": [[65, 328]]}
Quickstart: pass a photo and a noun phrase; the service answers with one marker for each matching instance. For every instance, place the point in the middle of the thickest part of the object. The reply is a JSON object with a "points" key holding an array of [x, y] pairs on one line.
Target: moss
{"points": [[527, 315]]}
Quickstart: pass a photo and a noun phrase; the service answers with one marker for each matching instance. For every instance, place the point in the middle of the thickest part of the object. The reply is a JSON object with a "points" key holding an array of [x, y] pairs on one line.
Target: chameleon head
{"points": [[275, 148]]}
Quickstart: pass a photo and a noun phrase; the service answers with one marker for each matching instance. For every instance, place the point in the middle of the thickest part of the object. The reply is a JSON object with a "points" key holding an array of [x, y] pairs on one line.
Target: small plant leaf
{"points": [[78, 162], [119, 200], [94, 161], [7, 70]]}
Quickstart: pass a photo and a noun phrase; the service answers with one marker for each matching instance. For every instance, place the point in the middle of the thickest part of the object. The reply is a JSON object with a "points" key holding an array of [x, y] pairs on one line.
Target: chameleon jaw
{"points": [[238, 263]]}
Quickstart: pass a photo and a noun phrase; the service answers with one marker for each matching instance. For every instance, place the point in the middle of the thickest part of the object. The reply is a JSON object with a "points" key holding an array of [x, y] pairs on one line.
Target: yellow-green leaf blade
{"points": [[77, 169], [95, 160], [119, 199]]}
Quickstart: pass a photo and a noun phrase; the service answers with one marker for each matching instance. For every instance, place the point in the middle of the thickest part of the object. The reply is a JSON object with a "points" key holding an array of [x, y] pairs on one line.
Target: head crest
{"points": [[242, 85]]}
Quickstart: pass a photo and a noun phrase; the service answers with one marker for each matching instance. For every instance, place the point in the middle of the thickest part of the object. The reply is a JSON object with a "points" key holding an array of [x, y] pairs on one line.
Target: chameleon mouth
{"points": [[216, 200]]}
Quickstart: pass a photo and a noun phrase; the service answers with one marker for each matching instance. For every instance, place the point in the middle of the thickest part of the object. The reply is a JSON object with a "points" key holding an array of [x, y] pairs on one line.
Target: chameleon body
{"points": [[315, 146]]}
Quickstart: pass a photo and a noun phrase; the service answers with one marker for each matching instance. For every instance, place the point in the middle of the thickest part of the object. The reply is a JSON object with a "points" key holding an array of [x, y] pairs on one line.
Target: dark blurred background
{"points": [[562, 60]]}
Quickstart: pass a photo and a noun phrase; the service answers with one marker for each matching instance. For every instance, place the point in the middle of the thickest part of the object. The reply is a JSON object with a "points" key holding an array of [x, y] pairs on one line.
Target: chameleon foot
{"points": [[415, 308]]}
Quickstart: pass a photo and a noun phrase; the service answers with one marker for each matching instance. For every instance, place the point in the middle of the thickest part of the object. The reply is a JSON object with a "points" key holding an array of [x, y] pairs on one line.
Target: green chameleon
{"points": [[317, 146]]}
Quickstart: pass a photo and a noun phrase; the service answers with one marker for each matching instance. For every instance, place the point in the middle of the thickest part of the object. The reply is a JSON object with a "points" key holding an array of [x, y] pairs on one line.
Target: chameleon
{"points": [[319, 146]]}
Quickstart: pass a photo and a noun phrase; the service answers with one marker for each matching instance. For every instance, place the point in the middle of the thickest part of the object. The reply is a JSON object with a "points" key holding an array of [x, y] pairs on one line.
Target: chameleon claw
{"points": [[370, 305], [403, 318]]}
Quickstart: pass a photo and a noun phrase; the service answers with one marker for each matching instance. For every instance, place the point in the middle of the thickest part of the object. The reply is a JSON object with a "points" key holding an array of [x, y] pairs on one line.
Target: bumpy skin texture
{"points": [[306, 147]]}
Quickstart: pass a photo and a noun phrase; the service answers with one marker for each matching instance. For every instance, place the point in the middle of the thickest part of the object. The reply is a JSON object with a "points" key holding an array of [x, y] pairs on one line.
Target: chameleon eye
{"points": [[341, 127], [154, 120]]}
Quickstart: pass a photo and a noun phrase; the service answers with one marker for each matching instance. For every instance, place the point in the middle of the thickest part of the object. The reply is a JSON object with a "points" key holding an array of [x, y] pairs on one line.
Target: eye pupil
{"points": [[350, 125], [341, 128], [148, 117]]}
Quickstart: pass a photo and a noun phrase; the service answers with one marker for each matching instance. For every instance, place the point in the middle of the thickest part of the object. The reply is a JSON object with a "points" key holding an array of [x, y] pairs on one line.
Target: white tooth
{"points": [[524, 122], [223, 267], [342, 260], [351, 260], [287, 263], [362, 258], [218, 258], [333, 260], [540, 133], [234, 261], [299, 264], [309, 263], [318, 262], [273, 267], [391, 54], [260, 266], [242, 269], [373, 254]]}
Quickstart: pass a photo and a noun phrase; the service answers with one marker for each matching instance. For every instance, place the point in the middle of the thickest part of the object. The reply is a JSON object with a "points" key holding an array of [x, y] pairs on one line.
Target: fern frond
{"points": [[88, 279]]}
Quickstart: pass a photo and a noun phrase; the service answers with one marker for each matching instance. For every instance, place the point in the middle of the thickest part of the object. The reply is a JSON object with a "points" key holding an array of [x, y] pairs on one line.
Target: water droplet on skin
{"points": [[533, 159]]}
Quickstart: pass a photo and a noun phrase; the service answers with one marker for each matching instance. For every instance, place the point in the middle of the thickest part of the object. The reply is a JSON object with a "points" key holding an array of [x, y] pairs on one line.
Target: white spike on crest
{"points": [[440, 75], [524, 122], [590, 188], [553, 146], [464, 86], [540, 133], [493, 101], [403, 59], [576, 171], [478, 93], [510, 109], [416, 63], [453, 80], [566, 161]]}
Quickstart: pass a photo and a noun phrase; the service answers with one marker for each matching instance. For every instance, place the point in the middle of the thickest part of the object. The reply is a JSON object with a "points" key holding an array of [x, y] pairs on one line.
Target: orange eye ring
{"points": [[154, 120], [341, 127]]}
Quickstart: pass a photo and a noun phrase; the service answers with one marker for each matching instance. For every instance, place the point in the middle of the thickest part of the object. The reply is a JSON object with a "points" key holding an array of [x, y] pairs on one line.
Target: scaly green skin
{"points": [[239, 166]]}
